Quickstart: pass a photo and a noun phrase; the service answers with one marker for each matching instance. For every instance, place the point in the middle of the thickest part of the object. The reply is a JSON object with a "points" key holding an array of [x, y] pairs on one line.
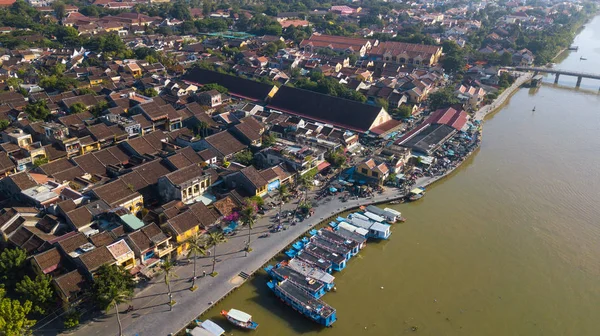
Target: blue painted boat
{"points": [[291, 253], [338, 261], [282, 272], [303, 302], [310, 271], [315, 261], [239, 319]]}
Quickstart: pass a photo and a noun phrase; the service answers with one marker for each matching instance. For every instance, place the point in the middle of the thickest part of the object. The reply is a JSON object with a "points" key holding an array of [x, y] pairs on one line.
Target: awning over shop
{"points": [[323, 165]]}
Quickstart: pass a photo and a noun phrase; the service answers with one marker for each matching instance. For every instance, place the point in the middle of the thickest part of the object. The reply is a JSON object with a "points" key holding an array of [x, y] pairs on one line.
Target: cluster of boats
{"points": [[236, 317], [301, 281]]}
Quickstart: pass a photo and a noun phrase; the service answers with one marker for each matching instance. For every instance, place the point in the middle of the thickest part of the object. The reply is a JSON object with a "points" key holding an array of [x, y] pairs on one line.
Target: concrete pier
{"points": [[578, 81], [556, 78]]}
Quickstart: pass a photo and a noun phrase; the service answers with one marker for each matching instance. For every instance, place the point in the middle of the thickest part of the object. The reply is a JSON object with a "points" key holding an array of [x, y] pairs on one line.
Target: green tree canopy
{"points": [[12, 262], [214, 86], [4, 124], [13, 316], [38, 110], [244, 157], [111, 280], [442, 98], [404, 111], [336, 159], [38, 291], [77, 108]]}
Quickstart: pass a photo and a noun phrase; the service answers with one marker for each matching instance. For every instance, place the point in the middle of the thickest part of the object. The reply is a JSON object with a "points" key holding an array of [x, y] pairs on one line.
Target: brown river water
{"points": [[509, 244]]}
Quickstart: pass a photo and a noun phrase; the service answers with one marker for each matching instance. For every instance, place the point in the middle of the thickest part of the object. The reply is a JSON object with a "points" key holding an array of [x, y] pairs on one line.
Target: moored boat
{"points": [[303, 302], [416, 194], [239, 319]]}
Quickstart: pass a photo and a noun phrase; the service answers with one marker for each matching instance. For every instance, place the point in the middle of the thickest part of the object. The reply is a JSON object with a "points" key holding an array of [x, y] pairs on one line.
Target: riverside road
{"points": [[151, 315]]}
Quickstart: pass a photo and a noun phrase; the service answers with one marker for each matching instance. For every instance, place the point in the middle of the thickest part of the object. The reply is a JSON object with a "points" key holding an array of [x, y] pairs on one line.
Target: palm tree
{"points": [[117, 297], [306, 184], [195, 247], [247, 217], [215, 238], [282, 193], [168, 268]]}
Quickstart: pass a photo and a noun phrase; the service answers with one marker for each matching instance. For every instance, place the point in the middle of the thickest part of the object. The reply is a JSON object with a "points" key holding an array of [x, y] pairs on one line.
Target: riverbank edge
{"points": [[424, 182]]}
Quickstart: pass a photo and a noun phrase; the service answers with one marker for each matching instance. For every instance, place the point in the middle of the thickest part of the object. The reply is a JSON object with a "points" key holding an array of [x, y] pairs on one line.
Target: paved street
{"points": [[152, 316]]}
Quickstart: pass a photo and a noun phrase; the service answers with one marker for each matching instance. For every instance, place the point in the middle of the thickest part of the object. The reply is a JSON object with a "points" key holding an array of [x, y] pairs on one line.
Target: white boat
{"points": [[239, 319], [207, 328]]}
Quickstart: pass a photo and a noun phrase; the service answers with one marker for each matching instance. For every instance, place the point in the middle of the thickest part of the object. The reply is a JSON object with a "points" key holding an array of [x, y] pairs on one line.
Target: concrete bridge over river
{"points": [[557, 73]]}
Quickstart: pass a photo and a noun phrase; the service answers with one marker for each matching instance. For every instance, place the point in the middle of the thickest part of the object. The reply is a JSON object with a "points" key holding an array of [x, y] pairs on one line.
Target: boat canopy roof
{"points": [[213, 328], [239, 315], [352, 228], [380, 227], [200, 332], [374, 217], [416, 191], [397, 213]]}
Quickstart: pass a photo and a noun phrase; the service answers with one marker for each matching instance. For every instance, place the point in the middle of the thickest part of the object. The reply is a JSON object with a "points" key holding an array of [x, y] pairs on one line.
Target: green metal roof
{"points": [[132, 222]]}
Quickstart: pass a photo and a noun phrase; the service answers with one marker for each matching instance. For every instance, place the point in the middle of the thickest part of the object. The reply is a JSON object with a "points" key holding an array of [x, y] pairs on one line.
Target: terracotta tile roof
{"points": [[207, 154], [102, 239], [183, 222], [254, 176], [87, 140], [117, 153], [75, 119], [119, 249], [204, 215], [224, 143], [152, 171], [97, 257], [79, 217], [72, 243], [26, 239], [71, 283], [190, 154], [179, 161], [48, 261], [155, 234], [6, 164], [186, 174], [54, 153], [101, 132], [282, 174], [66, 206], [144, 123], [448, 116], [56, 166], [22, 180], [115, 193], [90, 164], [139, 241], [69, 174], [47, 223], [269, 174], [249, 130], [225, 206]]}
